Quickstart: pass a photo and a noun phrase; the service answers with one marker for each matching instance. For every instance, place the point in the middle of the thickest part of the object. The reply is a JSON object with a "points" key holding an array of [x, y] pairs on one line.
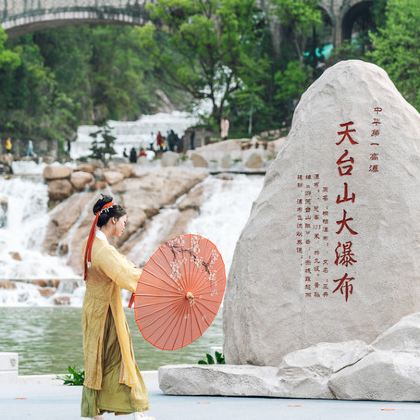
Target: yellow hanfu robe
{"points": [[113, 382]]}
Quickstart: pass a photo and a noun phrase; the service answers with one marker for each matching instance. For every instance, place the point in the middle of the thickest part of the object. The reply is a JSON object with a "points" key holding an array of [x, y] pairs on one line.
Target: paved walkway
{"points": [[57, 402]]}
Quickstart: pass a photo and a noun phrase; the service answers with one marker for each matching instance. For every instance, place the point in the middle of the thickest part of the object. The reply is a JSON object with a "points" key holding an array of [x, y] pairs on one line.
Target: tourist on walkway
{"points": [[142, 152], [133, 155], [152, 141], [8, 145], [159, 141], [224, 128], [113, 382], [30, 149]]}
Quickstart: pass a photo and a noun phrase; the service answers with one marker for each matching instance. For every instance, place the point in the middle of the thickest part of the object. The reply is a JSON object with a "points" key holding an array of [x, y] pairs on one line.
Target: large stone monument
{"points": [[323, 295], [331, 250]]}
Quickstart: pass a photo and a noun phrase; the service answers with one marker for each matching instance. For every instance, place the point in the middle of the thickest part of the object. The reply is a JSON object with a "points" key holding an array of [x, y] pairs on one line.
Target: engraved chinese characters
{"points": [[312, 233], [343, 252], [277, 300]]}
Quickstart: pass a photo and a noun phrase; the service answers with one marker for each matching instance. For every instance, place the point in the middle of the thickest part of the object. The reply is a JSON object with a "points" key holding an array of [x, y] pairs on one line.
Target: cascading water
{"points": [[21, 255]]}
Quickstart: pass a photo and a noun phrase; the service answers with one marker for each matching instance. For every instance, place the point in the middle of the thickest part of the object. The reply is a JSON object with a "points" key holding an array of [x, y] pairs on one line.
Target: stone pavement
{"points": [[42, 399]]}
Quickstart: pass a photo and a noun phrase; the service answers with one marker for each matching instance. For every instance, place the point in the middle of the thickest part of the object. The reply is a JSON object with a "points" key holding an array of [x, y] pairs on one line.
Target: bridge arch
{"points": [[19, 17]]}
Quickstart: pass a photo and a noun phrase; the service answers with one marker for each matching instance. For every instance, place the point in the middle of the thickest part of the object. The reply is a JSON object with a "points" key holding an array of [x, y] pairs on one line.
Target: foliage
{"points": [[210, 360], [103, 144], [206, 48], [397, 46], [74, 377]]}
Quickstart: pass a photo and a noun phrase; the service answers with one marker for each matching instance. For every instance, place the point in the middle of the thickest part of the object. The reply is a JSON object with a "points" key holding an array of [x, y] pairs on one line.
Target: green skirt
{"points": [[113, 397]]}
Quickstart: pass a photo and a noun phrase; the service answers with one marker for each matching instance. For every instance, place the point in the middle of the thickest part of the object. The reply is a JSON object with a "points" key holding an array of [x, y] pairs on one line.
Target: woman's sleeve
{"points": [[119, 269]]}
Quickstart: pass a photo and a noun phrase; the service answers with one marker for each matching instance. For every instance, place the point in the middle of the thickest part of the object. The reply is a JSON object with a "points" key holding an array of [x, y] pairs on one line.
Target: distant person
{"points": [[125, 154], [160, 141], [68, 146], [30, 149], [224, 128], [171, 140], [152, 141], [142, 152], [192, 140], [133, 155], [8, 145]]}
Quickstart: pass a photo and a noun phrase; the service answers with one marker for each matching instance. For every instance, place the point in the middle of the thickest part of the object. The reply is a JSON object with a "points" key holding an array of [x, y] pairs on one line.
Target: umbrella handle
{"points": [[130, 304]]}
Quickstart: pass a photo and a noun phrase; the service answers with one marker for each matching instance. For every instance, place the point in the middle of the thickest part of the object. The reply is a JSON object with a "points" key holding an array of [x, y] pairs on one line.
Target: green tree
{"points": [[103, 144], [397, 47], [205, 48]]}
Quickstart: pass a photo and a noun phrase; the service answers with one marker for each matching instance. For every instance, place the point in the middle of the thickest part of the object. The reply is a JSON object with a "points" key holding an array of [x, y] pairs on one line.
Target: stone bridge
{"points": [[18, 17]]}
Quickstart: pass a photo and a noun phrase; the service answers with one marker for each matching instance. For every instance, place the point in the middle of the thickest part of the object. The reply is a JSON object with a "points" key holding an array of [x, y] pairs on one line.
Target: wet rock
{"points": [[113, 177], [193, 199], [46, 291], [254, 161], [125, 169], [7, 284], [198, 161], [169, 159], [62, 300], [86, 167], [226, 162], [53, 172], [59, 189], [80, 180], [15, 256]]}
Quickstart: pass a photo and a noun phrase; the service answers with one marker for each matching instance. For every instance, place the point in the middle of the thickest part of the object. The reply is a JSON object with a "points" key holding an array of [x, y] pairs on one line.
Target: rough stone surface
{"points": [[142, 197], [169, 159], [198, 161], [254, 161], [52, 172], [267, 312], [59, 189], [226, 161], [217, 380], [382, 375], [113, 177], [86, 167], [403, 336], [81, 179]]}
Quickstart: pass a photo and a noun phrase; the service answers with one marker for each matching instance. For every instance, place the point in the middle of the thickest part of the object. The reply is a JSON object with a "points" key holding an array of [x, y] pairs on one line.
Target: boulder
{"points": [[226, 161], [46, 292], [86, 167], [217, 380], [315, 263], [125, 169], [62, 300], [198, 161], [52, 172], [15, 255], [382, 375], [403, 336], [169, 159], [80, 180], [113, 177], [7, 284], [193, 199], [254, 161], [59, 189]]}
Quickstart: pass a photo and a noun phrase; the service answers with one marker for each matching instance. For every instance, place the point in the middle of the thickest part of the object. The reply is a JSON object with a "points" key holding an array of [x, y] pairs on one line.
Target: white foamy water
{"points": [[21, 254], [225, 210], [134, 133]]}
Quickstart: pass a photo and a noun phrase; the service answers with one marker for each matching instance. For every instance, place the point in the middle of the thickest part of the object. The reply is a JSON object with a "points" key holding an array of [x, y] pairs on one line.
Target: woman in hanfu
{"points": [[113, 382]]}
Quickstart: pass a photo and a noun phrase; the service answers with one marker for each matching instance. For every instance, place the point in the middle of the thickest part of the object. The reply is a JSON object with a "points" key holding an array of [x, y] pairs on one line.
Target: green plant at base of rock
{"points": [[75, 376], [219, 359]]}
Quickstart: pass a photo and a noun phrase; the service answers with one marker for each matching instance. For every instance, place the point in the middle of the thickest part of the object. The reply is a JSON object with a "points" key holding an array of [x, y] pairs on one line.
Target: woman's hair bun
{"points": [[101, 202]]}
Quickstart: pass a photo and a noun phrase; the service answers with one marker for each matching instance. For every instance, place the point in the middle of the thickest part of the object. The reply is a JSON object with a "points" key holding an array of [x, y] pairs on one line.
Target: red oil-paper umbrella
{"points": [[179, 291]]}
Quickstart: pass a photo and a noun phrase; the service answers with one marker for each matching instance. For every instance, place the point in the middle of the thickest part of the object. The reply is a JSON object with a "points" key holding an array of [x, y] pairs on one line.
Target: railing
{"points": [[16, 9]]}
